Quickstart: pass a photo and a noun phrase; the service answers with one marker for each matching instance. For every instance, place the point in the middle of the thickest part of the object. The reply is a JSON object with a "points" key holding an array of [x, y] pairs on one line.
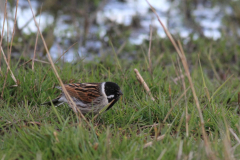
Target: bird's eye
{"points": [[111, 96]]}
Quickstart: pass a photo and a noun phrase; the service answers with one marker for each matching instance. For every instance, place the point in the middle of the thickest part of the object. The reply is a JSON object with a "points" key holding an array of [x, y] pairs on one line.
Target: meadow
{"points": [[191, 110], [29, 130]]}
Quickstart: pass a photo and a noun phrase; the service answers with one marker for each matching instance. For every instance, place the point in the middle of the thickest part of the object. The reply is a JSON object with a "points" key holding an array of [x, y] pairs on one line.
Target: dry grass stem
{"points": [[236, 137], [208, 149], [102, 110], [4, 84], [159, 138], [58, 60], [178, 78], [15, 20], [204, 83], [36, 60], [157, 61], [36, 41], [145, 86], [149, 51], [170, 95], [9, 53], [121, 47], [227, 149], [220, 87], [5, 59], [234, 134], [211, 63], [180, 150], [239, 101], [1, 72], [35, 48], [155, 124], [69, 99], [184, 88], [56, 136], [5, 12], [171, 109], [190, 156], [162, 153], [65, 52], [7, 42]]}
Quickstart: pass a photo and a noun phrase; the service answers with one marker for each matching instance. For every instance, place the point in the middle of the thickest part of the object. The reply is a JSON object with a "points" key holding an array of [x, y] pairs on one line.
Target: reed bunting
{"points": [[90, 97]]}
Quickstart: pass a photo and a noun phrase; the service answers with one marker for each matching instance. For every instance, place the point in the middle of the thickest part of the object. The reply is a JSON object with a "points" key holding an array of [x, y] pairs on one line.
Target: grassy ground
{"points": [[31, 131]]}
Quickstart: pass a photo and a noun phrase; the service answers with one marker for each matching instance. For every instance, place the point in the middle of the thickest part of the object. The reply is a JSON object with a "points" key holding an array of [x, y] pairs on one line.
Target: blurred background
{"points": [[93, 24]]}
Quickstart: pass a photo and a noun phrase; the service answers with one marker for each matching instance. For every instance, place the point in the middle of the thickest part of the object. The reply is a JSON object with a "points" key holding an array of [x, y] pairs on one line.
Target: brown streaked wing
{"points": [[85, 92]]}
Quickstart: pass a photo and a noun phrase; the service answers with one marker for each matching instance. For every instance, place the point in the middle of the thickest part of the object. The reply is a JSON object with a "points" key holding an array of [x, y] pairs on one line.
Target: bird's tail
{"points": [[54, 101]]}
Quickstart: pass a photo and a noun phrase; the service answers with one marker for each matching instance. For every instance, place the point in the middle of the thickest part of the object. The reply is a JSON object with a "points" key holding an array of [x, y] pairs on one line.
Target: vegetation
{"points": [[136, 127], [29, 130]]}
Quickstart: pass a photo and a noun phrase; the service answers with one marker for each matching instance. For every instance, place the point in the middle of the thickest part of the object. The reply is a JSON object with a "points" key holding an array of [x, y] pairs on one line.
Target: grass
{"points": [[136, 127], [32, 131]]}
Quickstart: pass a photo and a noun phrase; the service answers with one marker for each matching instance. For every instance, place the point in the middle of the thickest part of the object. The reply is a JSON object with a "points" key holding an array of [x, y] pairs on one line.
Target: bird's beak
{"points": [[120, 92]]}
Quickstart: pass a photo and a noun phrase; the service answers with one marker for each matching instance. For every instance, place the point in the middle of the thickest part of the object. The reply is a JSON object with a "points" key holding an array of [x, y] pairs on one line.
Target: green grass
{"points": [[31, 131]]}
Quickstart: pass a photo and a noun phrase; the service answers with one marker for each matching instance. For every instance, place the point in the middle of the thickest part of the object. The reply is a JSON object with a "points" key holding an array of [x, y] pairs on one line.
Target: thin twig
{"points": [[162, 153], [102, 110], [155, 124], [35, 48], [180, 150], [171, 109], [149, 51], [227, 148], [211, 63], [178, 78], [14, 26], [239, 101], [8, 59], [159, 138], [5, 12], [58, 60], [121, 47], [5, 59], [145, 86], [170, 96], [184, 88], [8, 47], [234, 135], [220, 87], [36, 60], [176, 71], [65, 52], [27, 23], [208, 149], [190, 156], [4, 84]]}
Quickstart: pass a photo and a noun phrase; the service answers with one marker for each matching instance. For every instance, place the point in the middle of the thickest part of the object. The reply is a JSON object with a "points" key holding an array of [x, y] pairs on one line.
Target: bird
{"points": [[89, 97]]}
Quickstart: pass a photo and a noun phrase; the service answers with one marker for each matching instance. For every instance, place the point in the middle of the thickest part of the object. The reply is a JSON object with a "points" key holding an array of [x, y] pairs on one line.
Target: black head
{"points": [[112, 91]]}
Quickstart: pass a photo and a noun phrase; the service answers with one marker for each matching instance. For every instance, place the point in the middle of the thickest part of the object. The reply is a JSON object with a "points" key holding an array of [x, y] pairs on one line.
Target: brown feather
{"points": [[86, 92]]}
